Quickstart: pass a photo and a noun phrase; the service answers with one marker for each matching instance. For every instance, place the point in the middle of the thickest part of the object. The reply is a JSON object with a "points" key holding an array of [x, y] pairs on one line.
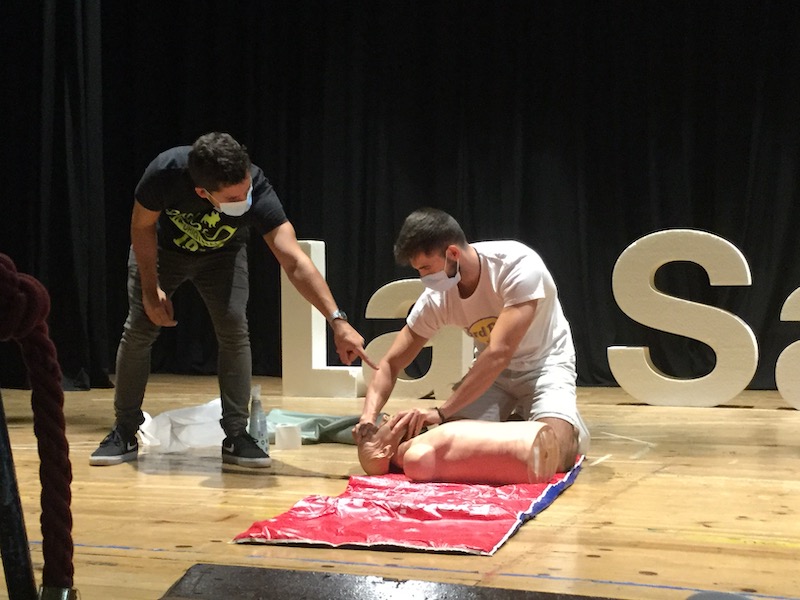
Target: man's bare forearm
{"points": [[305, 277], [379, 390], [477, 380], [145, 247]]}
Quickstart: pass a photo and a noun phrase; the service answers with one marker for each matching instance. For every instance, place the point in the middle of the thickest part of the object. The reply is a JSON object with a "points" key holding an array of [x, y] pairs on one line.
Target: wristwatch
{"points": [[337, 314]]}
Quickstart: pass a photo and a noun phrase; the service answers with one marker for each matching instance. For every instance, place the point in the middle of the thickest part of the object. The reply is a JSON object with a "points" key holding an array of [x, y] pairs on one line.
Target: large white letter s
{"points": [[731, 338]]}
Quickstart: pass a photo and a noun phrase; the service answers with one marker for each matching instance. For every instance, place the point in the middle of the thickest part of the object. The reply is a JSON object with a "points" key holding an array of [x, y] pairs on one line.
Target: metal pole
{"points": [[13, 538]]}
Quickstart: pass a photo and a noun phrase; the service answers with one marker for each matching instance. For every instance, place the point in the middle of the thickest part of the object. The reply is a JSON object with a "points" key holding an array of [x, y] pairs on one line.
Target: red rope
{"points": [[24, 307]]}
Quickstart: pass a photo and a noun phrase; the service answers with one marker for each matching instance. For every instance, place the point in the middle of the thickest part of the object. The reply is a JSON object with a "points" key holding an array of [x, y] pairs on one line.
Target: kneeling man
{"points": [[503, 296]]}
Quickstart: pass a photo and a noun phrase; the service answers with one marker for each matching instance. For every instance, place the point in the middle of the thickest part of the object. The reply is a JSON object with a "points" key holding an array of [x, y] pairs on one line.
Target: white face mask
{"points": [[439, 281], [236, 209]]}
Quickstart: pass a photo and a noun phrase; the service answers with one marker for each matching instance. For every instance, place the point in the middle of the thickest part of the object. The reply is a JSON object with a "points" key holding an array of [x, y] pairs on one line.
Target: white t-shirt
{"points": [[511, 273]]}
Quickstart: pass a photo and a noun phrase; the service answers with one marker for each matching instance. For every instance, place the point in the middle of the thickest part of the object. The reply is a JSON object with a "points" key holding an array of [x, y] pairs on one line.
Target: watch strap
{"points": [[337, 314]]}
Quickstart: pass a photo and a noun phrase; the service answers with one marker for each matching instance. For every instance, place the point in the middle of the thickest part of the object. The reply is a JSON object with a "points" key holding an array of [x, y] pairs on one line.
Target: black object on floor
{"points": [[212, 582]]}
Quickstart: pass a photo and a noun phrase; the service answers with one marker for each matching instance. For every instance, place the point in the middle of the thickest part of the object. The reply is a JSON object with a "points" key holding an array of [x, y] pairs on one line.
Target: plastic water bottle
{"points": [[257, 426]]}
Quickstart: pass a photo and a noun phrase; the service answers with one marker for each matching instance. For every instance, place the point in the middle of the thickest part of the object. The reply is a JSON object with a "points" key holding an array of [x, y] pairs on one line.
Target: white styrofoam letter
{"points": [[730, 337], [451, 348], [304, 343], [787, 369]]}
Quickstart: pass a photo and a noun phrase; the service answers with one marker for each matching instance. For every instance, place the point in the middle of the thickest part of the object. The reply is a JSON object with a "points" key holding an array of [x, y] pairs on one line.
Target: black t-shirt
{"points": [[189, 223]]}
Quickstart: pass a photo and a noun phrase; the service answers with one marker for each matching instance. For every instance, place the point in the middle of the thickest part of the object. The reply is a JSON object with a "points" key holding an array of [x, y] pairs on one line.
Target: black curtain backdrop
{"points": [[575, 127], [55, 205]]}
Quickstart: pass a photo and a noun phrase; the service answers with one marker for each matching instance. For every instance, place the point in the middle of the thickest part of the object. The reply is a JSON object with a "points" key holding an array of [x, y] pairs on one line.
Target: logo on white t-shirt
{"points": [[481, 329]]}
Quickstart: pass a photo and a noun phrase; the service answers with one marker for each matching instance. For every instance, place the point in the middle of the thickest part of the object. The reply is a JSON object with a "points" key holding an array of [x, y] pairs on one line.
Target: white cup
{"points": [[287, 437]]}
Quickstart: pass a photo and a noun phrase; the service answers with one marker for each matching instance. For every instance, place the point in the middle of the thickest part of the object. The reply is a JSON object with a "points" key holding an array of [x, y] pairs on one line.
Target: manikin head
{"points": [[378, 450]]}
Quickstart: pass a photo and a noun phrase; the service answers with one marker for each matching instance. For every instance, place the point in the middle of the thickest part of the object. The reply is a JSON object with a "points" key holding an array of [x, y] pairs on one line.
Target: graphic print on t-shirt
{"points": [[200, 231], [481, 329]]}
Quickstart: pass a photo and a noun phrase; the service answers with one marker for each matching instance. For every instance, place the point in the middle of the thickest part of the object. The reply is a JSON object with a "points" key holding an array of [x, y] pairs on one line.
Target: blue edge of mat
{"points": [[544, 500]]}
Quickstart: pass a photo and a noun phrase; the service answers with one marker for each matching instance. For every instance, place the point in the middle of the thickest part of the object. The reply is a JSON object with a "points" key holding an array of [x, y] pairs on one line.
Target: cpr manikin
{"points": [[463, 451]]}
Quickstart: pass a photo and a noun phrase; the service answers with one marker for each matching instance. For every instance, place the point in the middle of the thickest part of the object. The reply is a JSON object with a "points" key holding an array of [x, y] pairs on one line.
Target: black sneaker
{"points": [[243, 450], [115, 449]]}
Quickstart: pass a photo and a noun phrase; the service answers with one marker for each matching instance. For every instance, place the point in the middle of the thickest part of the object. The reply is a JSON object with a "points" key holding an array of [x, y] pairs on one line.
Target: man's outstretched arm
{"points": [[312, 286], [403, 350]]}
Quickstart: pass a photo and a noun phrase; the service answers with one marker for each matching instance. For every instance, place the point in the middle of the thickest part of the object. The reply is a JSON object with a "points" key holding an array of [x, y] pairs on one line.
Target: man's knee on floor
{"points": [[419, 462], [569, 452], [567, 436]]}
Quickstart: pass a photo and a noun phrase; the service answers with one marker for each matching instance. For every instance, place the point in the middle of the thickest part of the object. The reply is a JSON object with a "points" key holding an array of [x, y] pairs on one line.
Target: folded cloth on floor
{"points": [[313, 428], [391, 511]]}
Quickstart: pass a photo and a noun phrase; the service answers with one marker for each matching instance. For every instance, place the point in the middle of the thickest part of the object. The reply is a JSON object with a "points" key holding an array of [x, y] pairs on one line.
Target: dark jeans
{"points": [[221, 278]]}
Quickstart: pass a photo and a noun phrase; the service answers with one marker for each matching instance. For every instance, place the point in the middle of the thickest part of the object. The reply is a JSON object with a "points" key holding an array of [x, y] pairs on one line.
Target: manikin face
{"points": [[375, 452]]}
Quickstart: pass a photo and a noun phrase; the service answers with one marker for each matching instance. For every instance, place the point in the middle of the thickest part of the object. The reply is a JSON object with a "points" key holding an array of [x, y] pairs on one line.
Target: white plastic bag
{"points": [[183, 428]]}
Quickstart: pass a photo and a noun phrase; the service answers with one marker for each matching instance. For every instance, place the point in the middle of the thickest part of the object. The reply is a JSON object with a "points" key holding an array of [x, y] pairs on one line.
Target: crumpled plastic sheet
{"points": [[391, 511], [182, 428], [179, 429]]}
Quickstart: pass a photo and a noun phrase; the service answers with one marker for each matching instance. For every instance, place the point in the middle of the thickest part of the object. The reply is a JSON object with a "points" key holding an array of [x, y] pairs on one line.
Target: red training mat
{"points": [[390, 510]]}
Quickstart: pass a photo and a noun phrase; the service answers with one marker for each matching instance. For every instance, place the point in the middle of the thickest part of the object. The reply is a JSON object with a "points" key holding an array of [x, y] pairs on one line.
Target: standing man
{"points": [[504, 297], [191, 214]]}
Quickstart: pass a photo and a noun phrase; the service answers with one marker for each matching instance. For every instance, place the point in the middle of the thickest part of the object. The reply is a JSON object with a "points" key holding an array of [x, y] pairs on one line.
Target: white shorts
{"points": [[545, 392]]}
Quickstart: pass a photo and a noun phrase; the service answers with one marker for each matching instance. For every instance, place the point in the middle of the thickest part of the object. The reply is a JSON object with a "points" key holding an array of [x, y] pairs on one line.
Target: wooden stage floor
{"points": [[671, 501]]}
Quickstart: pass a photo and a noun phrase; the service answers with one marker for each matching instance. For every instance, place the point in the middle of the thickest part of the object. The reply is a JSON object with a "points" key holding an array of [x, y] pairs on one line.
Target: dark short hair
{"points": [[216, 160], [427, 230]]}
